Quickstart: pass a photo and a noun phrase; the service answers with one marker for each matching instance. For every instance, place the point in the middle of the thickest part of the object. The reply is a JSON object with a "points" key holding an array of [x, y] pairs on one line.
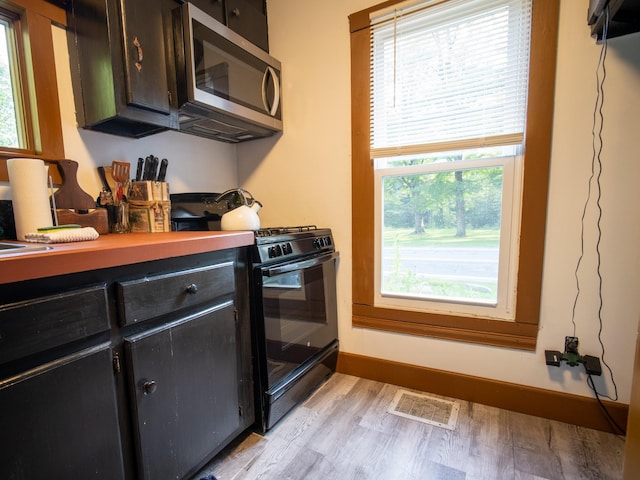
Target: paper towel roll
{"points": [[29, 195]]}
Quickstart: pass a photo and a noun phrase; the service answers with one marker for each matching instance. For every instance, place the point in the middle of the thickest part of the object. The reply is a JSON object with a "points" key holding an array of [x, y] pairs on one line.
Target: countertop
{"points": [[115, 250]]}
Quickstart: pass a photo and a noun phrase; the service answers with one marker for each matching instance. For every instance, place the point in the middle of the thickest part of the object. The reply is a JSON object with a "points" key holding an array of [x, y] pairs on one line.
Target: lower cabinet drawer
{"points": [[153, 296], [42, 323]]}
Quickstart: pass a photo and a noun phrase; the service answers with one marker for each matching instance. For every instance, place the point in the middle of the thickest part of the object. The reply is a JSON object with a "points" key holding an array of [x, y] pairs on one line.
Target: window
{"points": [[11, 115], [29, 105], [451, 145]]}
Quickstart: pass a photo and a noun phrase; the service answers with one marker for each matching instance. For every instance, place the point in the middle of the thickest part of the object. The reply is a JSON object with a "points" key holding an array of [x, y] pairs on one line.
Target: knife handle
{"points": [[154, 169], [139, 169], [103, 178], [147, 168], [163, 170]]}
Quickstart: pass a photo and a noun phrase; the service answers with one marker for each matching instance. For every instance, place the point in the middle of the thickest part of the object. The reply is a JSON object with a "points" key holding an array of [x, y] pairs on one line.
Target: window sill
{"points": [[497, 333]]}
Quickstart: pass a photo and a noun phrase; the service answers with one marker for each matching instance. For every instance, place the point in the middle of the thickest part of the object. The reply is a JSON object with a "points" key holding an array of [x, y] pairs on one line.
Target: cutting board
{"points": [[70, 195]]}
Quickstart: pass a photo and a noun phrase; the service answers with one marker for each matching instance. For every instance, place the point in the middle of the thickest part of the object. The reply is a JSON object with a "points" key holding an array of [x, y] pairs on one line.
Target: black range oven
{"points": [[293, 290], [292, 276]]}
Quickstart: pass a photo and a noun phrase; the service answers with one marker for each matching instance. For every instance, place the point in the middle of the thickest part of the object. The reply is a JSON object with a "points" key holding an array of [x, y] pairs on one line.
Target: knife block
{"points": [[150, 216], [148, 191], [96, 218], [149, 207]]}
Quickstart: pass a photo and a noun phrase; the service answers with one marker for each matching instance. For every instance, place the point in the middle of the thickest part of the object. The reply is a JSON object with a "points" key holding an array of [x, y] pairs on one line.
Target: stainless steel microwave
{"points": [[226, 87]]}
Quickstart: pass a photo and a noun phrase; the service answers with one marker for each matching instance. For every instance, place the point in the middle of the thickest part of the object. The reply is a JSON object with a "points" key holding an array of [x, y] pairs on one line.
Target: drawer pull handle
{"points": [[192, 289], [150, 387]]}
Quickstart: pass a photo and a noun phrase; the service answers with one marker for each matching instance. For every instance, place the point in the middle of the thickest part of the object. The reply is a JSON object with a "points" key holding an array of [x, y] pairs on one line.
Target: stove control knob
{"points": [[287, 248], [275, 251], [327, 241], [317, 243]]}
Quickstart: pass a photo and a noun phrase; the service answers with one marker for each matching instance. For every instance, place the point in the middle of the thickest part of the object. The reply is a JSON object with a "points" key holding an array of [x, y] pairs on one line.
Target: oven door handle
{"points": [[299, 265]]}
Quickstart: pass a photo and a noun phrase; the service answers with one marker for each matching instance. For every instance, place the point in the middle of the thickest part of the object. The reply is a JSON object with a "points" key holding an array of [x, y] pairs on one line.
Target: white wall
{"points": [[195, 164], [305, 177]]}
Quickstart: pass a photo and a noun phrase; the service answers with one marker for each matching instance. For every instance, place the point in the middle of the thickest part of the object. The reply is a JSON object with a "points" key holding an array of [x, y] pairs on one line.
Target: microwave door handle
{"points": [[292, 267], [276, 83]]}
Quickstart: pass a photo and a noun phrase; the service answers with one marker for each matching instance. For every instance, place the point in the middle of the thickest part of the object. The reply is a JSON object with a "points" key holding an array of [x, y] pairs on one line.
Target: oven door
{"points": [[297, 303]]}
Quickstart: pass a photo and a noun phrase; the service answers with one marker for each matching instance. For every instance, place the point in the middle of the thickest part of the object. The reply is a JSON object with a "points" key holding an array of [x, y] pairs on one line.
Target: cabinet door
{"points": [[214, 8], [144, 55], [59, 421], [185, 391], [249, 19]]}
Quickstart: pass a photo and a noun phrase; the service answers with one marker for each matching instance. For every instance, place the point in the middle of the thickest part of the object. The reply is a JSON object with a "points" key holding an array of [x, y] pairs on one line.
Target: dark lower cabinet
{"points": [[135, 372], [60, 421], [184, 379]]}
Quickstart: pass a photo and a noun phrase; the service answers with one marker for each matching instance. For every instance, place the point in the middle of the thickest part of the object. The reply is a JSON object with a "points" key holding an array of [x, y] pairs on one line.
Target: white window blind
{"points": [[448, 75]]}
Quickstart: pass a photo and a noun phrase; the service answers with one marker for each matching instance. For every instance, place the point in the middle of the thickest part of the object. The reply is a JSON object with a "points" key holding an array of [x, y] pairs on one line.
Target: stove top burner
{"points": [[274, 231]]}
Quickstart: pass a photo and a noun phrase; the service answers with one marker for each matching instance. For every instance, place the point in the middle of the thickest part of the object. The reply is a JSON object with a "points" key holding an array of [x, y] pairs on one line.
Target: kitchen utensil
{"points": [[244, 217], [145, 169], [110, 180], [139, 169], [103, 178], [70, 195], [53, 202], [163, 170], [74, 205], [153, 173], [120, 172]]}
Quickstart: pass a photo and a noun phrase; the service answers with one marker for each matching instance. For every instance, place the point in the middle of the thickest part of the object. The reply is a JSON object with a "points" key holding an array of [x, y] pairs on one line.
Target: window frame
{"points": [[39, 82], [522, 332]]}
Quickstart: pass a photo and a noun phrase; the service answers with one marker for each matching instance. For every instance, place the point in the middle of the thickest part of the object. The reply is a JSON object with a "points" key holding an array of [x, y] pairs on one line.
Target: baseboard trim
{"points": [[573, 409]]}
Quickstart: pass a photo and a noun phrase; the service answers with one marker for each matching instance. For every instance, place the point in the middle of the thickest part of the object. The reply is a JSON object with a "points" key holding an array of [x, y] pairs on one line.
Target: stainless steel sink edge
{"points": [[10, 249]]}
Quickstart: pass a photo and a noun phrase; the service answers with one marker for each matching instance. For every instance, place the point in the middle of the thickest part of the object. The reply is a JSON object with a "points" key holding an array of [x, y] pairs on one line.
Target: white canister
{"points": [[29, 195]]}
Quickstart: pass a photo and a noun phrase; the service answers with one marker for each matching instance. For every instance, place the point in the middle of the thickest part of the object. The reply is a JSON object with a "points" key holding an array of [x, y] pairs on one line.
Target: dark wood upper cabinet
{"points": [[145, 60], [119, 65], [123, 58], [245, 17]]}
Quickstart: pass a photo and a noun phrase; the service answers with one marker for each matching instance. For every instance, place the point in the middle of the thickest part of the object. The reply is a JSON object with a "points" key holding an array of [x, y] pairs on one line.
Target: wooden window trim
{"points": [[523, 331], [44, 116]]}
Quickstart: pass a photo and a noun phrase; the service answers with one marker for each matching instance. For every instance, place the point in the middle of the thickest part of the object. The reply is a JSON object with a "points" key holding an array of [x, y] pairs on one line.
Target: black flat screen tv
{"points": [[624, 17]]}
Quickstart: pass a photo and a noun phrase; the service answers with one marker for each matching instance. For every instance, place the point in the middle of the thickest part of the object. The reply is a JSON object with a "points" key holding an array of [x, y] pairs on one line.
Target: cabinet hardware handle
{"points": [[192, 289], [150, 387], [138, 63], [116, 362]]}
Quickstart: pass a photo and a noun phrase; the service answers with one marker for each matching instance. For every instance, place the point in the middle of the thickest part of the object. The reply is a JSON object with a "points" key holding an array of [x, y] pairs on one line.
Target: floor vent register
{"points": [[424, 408]]}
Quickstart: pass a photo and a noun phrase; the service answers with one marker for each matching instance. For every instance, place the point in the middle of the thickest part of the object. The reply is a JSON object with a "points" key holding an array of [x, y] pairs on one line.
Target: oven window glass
{"points": [[299, 317]]}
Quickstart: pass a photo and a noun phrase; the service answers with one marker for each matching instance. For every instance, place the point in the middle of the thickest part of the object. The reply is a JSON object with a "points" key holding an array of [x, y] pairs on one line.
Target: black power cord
{"points": [[603, 406], [597, 145]]}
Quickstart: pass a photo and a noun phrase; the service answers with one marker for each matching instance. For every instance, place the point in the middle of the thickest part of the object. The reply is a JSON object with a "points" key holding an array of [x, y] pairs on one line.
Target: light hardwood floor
{"points": [[343, 431]]}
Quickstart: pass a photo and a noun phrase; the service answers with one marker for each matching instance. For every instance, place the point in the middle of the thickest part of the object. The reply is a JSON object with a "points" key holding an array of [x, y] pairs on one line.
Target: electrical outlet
{"points": [[573, 357], [571, 345]]}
